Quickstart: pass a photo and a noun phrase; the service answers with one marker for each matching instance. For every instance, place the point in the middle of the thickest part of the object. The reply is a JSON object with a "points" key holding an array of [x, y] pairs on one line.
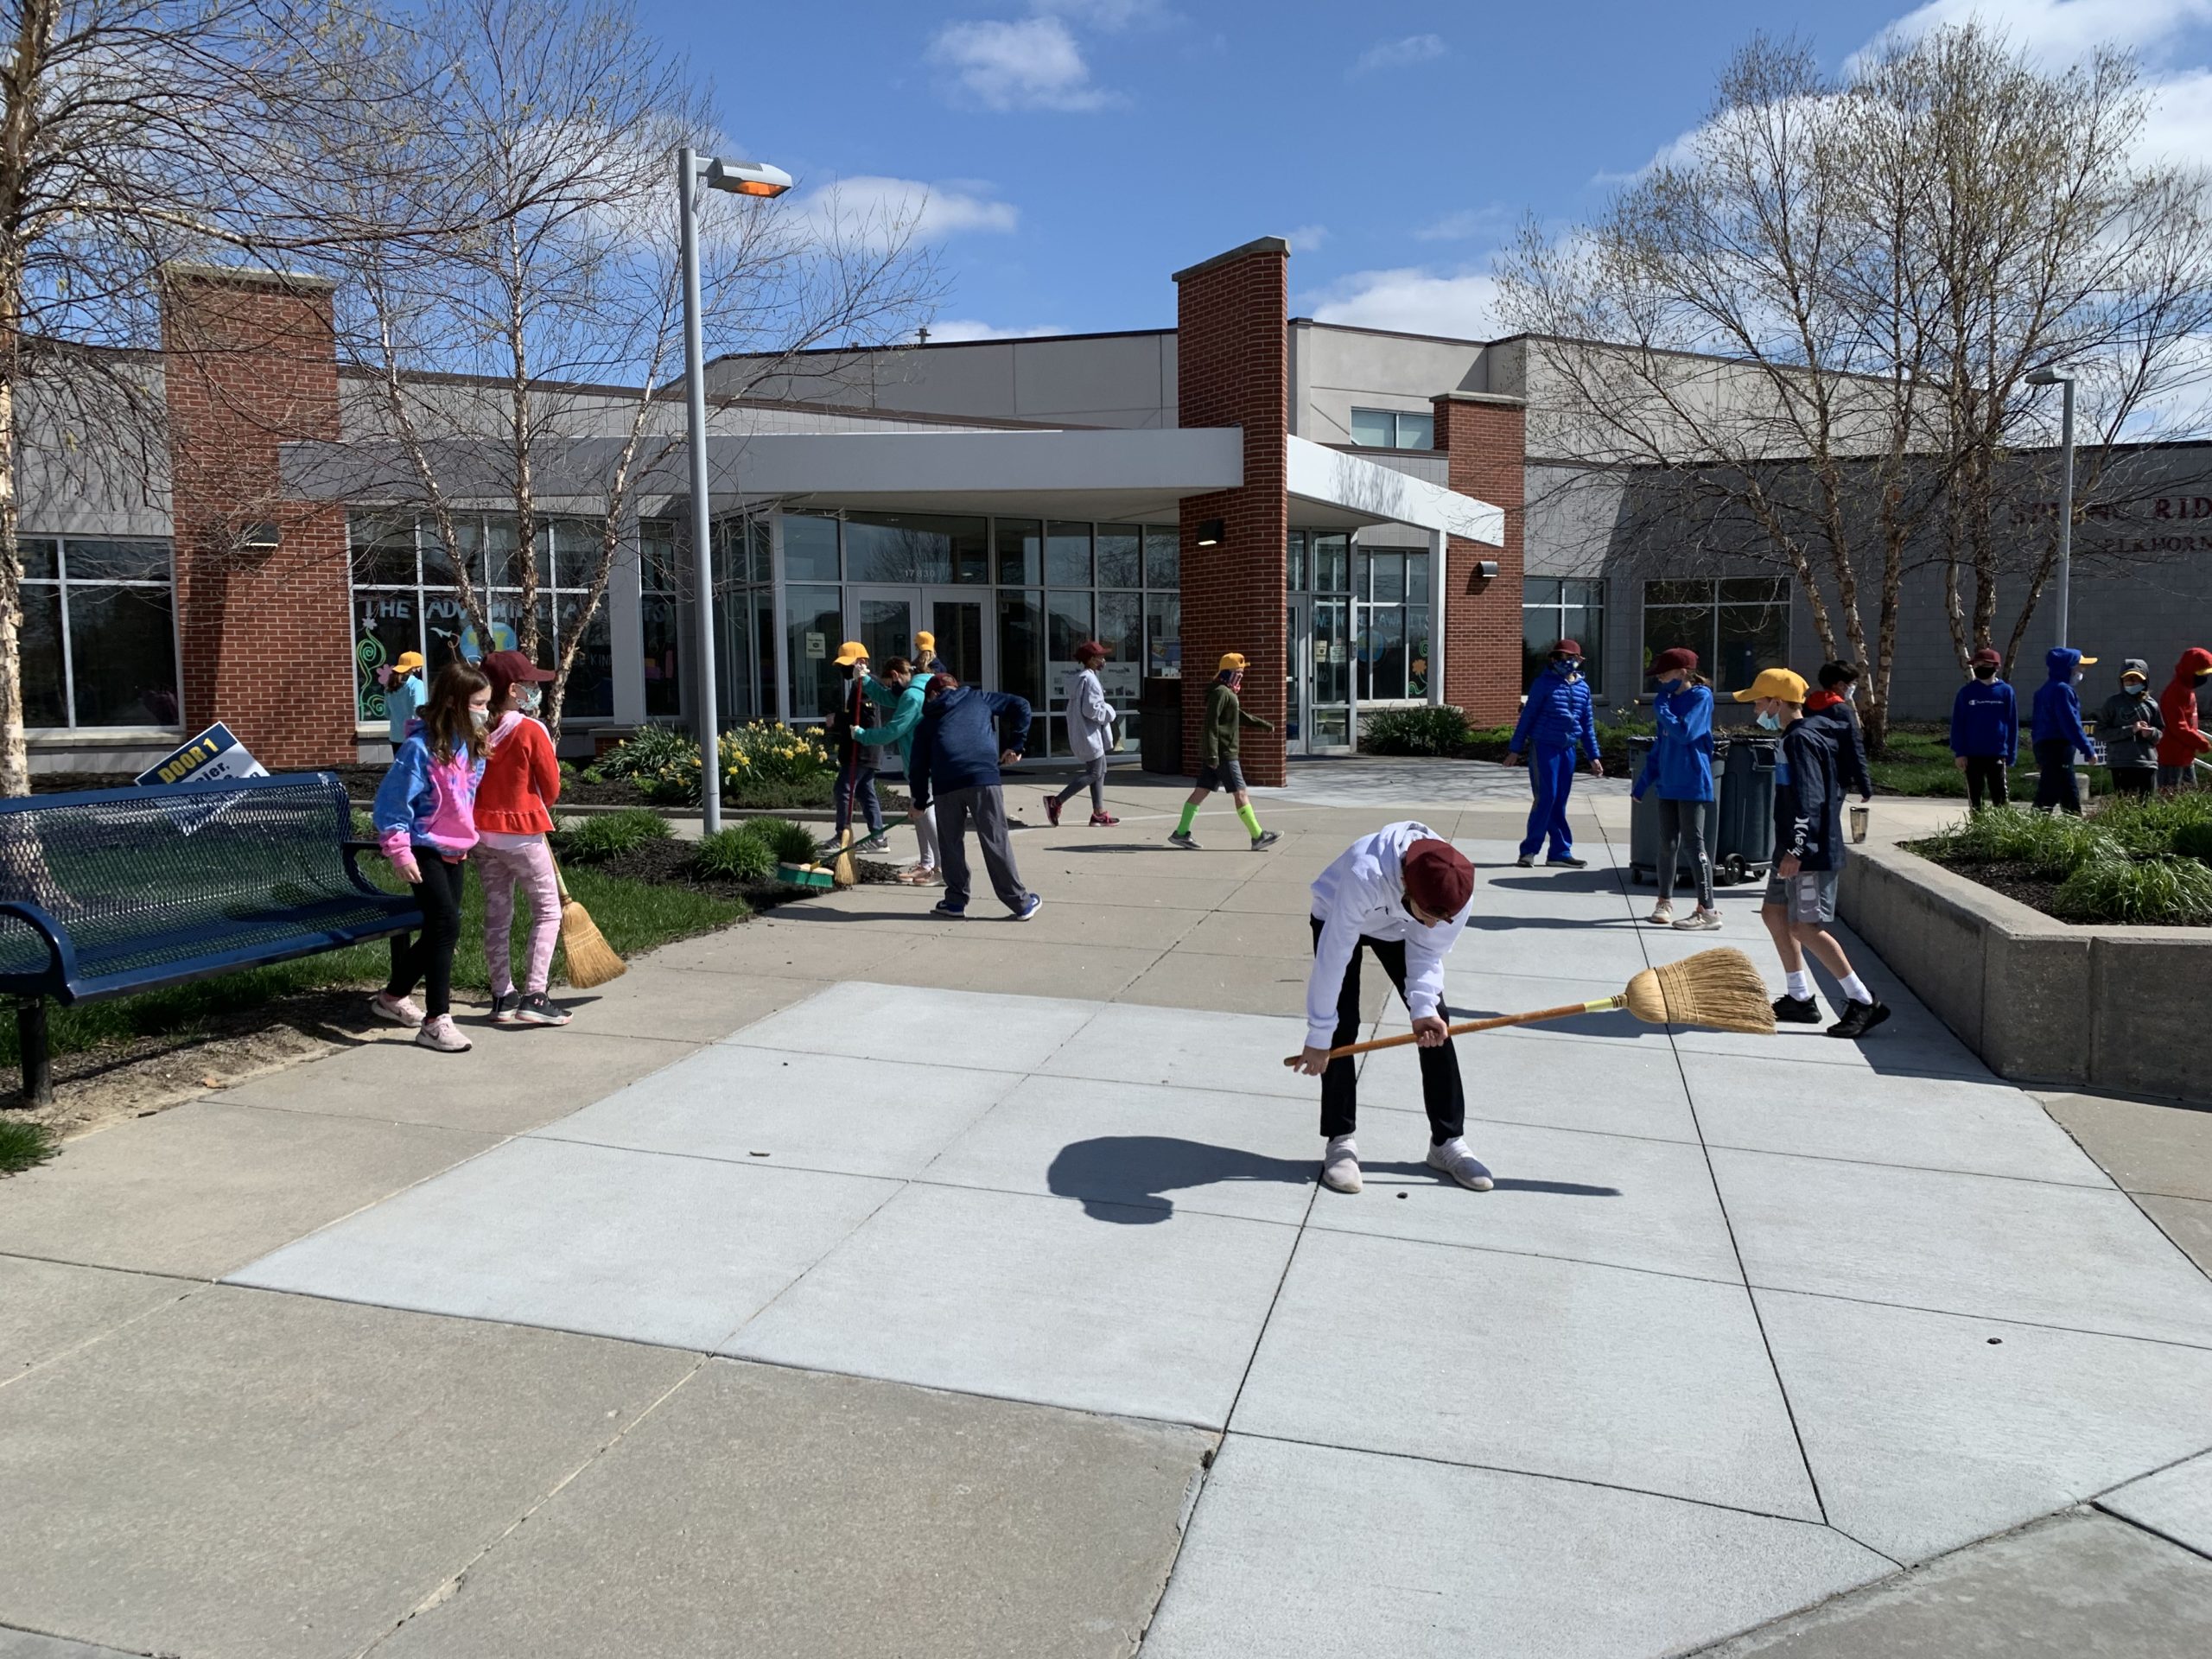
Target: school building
{"points": [[1357, 511]]}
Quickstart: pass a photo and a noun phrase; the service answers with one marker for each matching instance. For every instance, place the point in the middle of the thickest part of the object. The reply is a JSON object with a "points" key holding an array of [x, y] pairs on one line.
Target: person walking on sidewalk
{"points": [[1680, 766], [1555, 718], [522, 780], [2057, 731], [2132, 725], [1091, 735], [1834, 703], [425, 817], [897, 689], [405, 685], [1986, 731], [1221, 729], [958, 750], [2184, 739], [1404, 894], [856, 759], [1809, 857]]}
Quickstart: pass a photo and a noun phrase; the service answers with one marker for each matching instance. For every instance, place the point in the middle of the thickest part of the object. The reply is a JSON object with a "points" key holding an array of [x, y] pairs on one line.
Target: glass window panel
{"points": [[384, 554], [1163, 558], [1539, 633], [1587, 628], [734, 665], [1332, 556], [1121, 627], [39, 657], [575, 553], [661, 622], [958, 626], [763, 641], [1752, 636], [1067, 555], [1667, 627], [1379, 651], [880, 547], [815, 629], [1734, 590], [810, 547], [1374, 428], [503, 609], [590, 693], [1416, 432], [657, 568], [1022, 649], [1332, 654], [1120, 562], [1416, 652], [1163, 634], [39, 555], [759, 559], [1583, 591], [1294, 563], [109, 560], [886, 626], [443, 623], [123, 650], [1417, 578], [1020, 545], [384, 625], [1694, 591], [1069, 621], [728, 538], [1388, 574], [1538, 591]]}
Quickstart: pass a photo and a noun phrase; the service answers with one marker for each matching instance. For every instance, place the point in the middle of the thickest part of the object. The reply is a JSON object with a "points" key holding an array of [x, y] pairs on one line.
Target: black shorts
{"points": [[1225, 774]]}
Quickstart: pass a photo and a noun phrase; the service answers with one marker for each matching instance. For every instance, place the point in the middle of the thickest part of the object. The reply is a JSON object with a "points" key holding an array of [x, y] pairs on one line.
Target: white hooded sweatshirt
{"points": [[1362, 895], [1090, 717]]}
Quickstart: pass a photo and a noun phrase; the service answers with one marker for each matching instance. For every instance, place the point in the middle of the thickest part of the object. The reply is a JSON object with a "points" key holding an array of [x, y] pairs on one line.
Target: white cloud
{"points": [[870, 208], [1307, 238], [2064, 30], [1415, 301], [2179, 130], [1031, 64], [1400, 54], [955, 329], [1462, 225], [1108, 16]]}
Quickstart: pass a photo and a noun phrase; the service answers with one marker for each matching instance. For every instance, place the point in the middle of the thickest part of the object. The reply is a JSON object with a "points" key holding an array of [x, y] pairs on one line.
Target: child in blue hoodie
{"points": [[2059, 734], [1986, 731], [1681, 765]]}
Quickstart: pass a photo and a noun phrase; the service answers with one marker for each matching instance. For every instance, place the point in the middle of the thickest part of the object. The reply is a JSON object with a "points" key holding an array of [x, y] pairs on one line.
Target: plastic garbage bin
{"points": [[1742, 842], [1644, 820], [1160, 725]]}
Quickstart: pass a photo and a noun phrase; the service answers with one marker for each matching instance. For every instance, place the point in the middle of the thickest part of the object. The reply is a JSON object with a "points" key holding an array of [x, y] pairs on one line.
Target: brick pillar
{"points": [[1483, 436], [250, 362], [1233, 369]]}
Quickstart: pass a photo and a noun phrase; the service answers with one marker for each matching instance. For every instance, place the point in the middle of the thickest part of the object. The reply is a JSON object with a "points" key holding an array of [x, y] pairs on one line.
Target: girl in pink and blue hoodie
{"points": [[426, 823]]}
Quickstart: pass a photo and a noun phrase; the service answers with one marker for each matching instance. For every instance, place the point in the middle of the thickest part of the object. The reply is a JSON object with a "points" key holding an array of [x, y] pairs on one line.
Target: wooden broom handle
{"points": [[1565, 1011]]}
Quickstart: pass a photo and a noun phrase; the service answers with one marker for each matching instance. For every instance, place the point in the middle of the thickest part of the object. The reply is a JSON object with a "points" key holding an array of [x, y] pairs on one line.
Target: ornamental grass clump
{"points": [[605, 837], [793, 843], [2048, 846], [740, 853], [2147, 891]]}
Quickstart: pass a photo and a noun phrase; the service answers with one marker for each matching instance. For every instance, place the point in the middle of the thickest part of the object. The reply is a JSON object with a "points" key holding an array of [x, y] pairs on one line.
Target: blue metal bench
{"points": [[109, 892]]}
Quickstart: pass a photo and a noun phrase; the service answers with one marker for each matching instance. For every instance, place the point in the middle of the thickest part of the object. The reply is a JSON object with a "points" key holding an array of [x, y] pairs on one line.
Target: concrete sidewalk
{"points": [[858, 1280]]}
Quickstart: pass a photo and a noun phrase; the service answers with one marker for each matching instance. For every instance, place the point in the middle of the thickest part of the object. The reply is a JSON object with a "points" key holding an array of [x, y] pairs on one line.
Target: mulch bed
{"points": [[2015, 881], [668, 864]]}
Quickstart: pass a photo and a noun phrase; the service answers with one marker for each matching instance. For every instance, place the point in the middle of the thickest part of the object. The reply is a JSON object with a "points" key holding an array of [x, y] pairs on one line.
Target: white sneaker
{"points": [[1663, 915], [1699, 921], [1456, 1160], [1340, 1164], [440, 1033], [400, 1010]]}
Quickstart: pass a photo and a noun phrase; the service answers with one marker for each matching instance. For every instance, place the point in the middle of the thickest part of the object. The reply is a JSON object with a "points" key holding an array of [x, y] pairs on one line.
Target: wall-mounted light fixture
{"points": [[1486, 569], [258, 538], [1210, 532]]}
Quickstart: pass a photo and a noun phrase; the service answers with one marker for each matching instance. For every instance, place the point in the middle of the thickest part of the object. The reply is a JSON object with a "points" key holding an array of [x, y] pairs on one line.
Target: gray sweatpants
{"points": [[1682, 822], [986, 806], [1094, 774]]}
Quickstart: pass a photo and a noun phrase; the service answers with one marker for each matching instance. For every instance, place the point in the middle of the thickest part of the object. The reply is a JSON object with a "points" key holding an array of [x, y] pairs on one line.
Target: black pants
{"points": [[426, 957], [2054, 785], [2133, 780], [1985, 775], [1441, 1093]]}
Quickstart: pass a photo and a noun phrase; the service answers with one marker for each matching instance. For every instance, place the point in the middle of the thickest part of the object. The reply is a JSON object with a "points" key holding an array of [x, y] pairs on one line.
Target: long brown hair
{"points": [[446, 725]]}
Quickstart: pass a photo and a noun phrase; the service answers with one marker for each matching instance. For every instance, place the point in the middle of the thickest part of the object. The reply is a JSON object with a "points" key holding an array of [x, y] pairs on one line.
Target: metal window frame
{"points": [[61, 582]]}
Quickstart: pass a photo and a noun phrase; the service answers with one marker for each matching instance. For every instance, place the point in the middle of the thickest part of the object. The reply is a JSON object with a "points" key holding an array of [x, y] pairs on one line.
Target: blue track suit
{"points": [[1555, 718]]}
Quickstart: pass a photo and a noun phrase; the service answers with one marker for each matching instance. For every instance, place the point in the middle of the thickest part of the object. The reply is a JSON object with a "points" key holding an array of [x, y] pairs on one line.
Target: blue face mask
{"points": [[1769, 722], [1569, 665]]}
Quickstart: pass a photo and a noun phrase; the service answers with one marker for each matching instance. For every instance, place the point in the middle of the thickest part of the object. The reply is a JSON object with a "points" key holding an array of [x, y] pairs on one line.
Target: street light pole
{"points": [[2046, 377], [744, 179]]}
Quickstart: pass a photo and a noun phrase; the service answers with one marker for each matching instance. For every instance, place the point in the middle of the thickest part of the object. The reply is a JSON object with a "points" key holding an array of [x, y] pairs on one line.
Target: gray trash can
{"points": [[1160, 725], [1743, 842], [1644, 820]]}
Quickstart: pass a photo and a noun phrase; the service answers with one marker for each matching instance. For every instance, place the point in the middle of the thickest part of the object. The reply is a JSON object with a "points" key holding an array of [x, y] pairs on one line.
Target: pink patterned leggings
{"points": [[506, 862]]}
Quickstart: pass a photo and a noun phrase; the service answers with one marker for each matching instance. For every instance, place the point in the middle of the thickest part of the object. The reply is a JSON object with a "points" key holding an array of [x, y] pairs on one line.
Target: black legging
{"points": [[2054, 785], [428, 956], [1441, 1092]]}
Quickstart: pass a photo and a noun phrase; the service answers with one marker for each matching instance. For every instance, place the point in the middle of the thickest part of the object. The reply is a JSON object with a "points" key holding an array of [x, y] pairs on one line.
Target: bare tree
{"points": [[1805, 334], [556, 314]]}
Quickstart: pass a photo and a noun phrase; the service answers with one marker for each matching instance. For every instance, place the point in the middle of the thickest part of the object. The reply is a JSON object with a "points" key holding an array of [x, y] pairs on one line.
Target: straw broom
{"points": [[591, 961], [1719, 989]]}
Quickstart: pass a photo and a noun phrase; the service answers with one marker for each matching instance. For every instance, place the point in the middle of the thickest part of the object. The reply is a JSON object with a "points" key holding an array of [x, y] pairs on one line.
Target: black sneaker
{"points": [[1797, 1011], [1265, 838], [1524, 862], [505, 1008], [1188, 843], [538, 1009], [1860, 1019], [1568, 861]]}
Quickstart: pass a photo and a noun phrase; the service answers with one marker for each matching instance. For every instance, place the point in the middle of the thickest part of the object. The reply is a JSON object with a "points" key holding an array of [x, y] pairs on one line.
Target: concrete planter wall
{"points": [[2127, 1009]]}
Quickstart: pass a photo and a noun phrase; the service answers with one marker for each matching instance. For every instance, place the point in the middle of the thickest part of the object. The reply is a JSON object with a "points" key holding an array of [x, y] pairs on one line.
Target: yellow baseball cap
{"points": [[1231, 661], [407, 661], [925, 641], [1778, 682], [850, 652]]}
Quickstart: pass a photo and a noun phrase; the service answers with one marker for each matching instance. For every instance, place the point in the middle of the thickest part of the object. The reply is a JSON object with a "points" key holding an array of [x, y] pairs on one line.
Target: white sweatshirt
{"points": [[1362, 894]]}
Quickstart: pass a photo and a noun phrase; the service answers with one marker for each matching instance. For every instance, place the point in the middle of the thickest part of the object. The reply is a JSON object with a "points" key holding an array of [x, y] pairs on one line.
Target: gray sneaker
{"points": [[1179, 839], [1455, 1159], [1265, 838]]}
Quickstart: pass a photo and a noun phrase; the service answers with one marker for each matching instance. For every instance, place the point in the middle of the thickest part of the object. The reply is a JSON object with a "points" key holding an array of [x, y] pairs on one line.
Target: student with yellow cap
{"points": [[855, 759], [1220, 729], [404, 688], [1809, 854]]}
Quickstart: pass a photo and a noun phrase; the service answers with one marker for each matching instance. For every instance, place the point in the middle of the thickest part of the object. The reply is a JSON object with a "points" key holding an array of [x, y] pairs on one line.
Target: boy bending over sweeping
{"points": [[1403, 893]]}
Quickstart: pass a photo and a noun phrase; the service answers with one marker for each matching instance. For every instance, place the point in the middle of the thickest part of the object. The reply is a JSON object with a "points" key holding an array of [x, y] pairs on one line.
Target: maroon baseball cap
{"points": [[1438, 878], [1565, 648], [1667, 661], [505, 669], [1989, 657]]}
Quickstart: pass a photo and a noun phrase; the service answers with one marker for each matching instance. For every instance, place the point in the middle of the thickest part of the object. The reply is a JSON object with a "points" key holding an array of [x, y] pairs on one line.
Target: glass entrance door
{"points": [[1298, 676], [1331, 722], [885, 620]]}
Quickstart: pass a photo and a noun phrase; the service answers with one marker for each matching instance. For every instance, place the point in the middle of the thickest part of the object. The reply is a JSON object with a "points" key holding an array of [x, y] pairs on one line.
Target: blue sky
{"points": [[1069, 155]]}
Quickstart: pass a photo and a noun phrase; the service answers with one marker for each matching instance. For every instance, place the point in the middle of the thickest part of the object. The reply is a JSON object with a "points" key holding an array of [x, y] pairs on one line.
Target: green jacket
{"points": [[906, 715], [1221, 729]]}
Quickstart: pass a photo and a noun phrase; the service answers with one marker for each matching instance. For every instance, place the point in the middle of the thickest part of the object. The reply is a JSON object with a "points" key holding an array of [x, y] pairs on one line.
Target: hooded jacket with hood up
{"points": [[2058, 711], [2184, 739]]}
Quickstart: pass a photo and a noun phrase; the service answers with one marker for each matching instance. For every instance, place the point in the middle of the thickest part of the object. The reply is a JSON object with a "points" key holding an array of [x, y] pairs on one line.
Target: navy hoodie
{"points": [[958, 744], [2058, 711], [1986, 720]]}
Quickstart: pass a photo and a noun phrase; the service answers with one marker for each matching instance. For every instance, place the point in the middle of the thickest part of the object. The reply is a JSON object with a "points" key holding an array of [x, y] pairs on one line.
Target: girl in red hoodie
{"points": [[521, 782], [2183, 740]]}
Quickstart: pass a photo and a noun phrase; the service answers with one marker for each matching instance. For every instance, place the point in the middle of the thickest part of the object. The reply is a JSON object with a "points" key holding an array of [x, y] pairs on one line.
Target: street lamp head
{"points": [[744, 178], [2048, 378]]}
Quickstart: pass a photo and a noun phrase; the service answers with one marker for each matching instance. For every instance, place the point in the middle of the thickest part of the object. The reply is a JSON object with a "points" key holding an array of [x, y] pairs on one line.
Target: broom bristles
{"points": [[1719, 989], [843, 872], [591, 961]]}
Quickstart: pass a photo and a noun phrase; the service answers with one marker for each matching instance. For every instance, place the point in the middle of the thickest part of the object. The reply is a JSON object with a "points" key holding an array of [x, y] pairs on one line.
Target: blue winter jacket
{"points": [[1986, 720], [1680, 762], [1557, 714], [958, 743], [2058, 711]]}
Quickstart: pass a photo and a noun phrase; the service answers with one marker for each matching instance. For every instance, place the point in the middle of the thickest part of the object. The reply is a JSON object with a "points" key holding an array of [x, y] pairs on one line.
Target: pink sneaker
{"points": [[1052, 810], [444, 1035], [400, 1010], [1104, 820]]}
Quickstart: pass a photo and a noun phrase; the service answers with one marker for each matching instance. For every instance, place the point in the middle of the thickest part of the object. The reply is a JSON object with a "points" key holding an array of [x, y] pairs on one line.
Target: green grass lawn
{"points": [[1919, 762], [634, 916]]}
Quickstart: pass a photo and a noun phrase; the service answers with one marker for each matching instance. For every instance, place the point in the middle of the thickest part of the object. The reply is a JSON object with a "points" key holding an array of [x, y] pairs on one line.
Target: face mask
{"points": [[1771, 722], [1986, 674], [1851, 694], [1570, 666], [529, 699], [2135, 688], [479, 718]]}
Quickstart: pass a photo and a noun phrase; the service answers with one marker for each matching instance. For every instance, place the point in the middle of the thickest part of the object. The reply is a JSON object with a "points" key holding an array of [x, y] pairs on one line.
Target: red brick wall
{"points": [[1484, 440], [250, 360], [1233, 369]]}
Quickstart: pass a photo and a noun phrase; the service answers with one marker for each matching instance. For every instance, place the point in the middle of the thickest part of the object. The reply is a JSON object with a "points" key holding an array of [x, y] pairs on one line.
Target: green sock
{"points": [[1251, 819], [1190, 817]]}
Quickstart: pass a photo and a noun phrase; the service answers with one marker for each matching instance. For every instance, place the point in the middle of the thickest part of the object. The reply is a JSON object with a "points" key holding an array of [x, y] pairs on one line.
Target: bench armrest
{"points": [[354, 847], [64, 955]]}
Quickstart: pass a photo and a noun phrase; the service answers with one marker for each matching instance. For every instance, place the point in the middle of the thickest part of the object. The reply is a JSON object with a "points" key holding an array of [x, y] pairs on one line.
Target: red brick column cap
{"points": [[295, 281], [1495, 399], [1257, 245]]}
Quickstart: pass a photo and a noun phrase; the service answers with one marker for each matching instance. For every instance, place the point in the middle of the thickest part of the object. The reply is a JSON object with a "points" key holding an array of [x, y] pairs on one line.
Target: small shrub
{"points": [[2051, 846], [2150, 892], [24, 1144], [592, 775], [792, 843], [606, 836], [738, 854], [649, 749], [1433, 730]]}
